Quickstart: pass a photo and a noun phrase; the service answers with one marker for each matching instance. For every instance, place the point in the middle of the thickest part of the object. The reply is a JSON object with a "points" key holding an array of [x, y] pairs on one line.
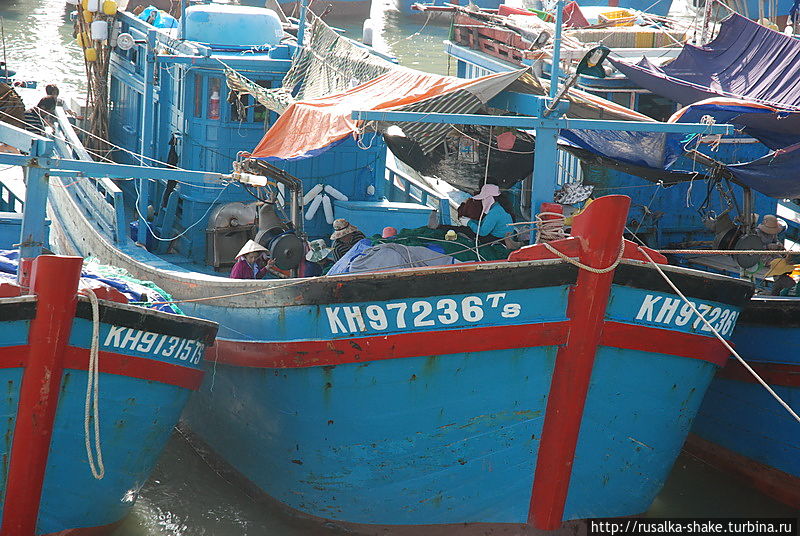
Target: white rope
{"points": [[549, 229], [718, 336], [92, 406], [586, 266]]}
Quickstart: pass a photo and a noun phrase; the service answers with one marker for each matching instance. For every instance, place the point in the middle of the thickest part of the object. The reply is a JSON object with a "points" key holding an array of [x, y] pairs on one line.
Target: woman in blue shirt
{"points": [[494, 221]]}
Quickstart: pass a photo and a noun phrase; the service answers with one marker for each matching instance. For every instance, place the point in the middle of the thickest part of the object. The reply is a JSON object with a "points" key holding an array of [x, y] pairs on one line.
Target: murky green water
{"points": [[184, 496]]}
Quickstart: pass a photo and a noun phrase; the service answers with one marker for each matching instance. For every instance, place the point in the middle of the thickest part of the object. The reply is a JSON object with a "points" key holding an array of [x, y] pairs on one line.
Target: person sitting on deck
{"points": [[494, 221], [39, 115], [780, 270], [53, 91], [246, 266], [344, 236]]}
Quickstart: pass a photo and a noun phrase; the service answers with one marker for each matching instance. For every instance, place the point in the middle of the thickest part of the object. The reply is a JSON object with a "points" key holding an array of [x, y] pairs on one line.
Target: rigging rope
{"points": [[92, 404]]}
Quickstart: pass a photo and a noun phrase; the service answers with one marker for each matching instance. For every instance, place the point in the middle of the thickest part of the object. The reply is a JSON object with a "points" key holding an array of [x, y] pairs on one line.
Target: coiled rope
{"points": [[92, 405]]}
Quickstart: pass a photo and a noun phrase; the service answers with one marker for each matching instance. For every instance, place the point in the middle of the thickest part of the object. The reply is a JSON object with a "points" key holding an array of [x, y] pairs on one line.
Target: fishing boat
{"points": [[740, 427], [95, 384], [483, 392]]}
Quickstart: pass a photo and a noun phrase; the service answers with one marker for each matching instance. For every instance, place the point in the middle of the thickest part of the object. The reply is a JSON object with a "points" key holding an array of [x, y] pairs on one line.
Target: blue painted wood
{"points": [[743, 417]]}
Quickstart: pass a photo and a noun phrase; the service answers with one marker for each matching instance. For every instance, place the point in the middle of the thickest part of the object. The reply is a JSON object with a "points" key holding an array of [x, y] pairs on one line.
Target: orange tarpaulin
{"points": [[308, 126]]}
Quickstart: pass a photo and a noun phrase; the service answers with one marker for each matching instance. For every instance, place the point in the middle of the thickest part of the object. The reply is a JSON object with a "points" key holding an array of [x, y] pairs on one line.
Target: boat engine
{"points": [[280, 239], [229, 227]]}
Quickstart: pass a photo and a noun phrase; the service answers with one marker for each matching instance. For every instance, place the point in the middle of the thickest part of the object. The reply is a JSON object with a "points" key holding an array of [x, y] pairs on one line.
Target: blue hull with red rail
{"points": [[740, 426], [149, 362], [522, 391], [493, 393]]}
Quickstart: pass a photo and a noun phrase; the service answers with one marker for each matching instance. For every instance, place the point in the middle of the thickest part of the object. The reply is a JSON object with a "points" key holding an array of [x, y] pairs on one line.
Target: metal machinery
{"points": [[232, 224]]}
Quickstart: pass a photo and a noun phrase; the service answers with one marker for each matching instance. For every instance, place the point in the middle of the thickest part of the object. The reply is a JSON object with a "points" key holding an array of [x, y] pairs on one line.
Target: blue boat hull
{"points": [[740, 425], [149, 362], [437, 396]]}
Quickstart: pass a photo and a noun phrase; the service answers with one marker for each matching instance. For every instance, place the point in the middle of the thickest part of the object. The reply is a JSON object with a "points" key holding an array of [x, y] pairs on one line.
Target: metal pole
{"points": [[301, 30], [555, 69], [148, 120], [32, 236], [183, 19]]}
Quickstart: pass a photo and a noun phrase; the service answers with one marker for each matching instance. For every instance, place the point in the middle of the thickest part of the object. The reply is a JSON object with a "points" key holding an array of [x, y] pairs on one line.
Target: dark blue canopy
{"points": [[745, 60]]}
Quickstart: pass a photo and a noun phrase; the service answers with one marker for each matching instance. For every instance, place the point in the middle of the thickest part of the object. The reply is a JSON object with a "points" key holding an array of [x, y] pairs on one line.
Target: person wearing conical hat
{"points": [[246, 266], [344, 236], [780, 270]]}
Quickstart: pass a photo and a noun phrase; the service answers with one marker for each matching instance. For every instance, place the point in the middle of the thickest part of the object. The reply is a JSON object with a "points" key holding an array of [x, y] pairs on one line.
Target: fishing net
{"points": [[326, 65]]}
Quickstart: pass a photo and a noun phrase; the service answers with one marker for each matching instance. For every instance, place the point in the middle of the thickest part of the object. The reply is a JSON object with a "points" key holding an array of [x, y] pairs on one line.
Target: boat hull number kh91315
{"points": [[154, 344], [676, 312], [444, 312]]}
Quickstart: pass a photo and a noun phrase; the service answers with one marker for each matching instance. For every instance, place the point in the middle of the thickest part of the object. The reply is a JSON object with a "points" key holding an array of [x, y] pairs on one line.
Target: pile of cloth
{"points": [[144, 293], [414, 248]]}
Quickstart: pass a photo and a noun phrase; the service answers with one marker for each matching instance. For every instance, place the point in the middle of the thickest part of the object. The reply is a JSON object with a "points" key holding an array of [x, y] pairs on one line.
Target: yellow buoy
{"points": [[90, 54], [87, 16], [109, 7], [83, 40], [85, 4]]}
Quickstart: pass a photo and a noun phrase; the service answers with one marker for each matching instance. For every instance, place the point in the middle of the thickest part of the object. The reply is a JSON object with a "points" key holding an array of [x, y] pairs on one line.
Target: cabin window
{"points": [[259, 112], [198, 95], [655, 106], [239, 105], [214, 87]]}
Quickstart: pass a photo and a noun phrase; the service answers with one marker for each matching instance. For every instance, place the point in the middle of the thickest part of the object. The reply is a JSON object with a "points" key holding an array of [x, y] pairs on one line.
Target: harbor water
{"points": [[185, 495]]}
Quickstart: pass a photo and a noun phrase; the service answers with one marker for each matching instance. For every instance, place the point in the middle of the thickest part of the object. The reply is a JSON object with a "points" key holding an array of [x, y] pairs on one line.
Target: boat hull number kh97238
{"points": [[444, 312], [673, 311]]}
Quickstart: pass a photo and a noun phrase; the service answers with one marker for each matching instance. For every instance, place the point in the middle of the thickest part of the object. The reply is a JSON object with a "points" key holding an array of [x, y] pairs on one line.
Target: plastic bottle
{"points": [[213, 105]]}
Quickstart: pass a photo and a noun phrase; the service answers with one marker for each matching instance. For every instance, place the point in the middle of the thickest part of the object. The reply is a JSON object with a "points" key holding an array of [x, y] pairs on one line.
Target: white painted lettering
{"points": [[114, 337], [147, 342], [132, 337], [494, 299], [354, 319], [646, 310], [668, 310], [377, 318], [333, 320], [401, 310]]}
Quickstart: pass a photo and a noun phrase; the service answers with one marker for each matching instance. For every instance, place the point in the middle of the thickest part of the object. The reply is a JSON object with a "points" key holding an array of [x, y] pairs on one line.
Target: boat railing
{"points": [[401, 188], [101, 196], [9, 201]]}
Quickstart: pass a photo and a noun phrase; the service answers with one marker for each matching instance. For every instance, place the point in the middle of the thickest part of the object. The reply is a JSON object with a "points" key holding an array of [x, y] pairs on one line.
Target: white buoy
{"points": [[73, 2], [789, 30], [334, 193], [328, 208], [93, 6], [99, 30], [366, 32], [312, 193], [313, 207]]}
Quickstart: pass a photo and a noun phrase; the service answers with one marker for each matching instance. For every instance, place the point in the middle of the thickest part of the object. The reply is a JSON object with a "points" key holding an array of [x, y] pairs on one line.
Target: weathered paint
{"points": [[341, 423]]}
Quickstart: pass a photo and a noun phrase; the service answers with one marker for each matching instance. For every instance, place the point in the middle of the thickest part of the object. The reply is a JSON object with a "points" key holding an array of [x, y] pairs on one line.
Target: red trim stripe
{"points": [[136, 367], [780, 374], [114, 363], [664, 341], [13, 356], [600, 229], [55, 281], [316, 353]]}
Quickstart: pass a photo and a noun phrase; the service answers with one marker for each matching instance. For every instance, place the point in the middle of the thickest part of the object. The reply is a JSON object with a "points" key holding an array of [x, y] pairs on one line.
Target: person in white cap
{"points": [[246, 266]]}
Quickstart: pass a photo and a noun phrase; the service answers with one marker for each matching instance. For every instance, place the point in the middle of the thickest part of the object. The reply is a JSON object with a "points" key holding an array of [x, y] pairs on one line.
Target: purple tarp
{"points": [[746, 60]]}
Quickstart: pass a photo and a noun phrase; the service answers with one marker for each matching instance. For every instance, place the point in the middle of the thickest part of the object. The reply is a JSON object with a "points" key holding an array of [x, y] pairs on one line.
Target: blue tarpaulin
{"points": [[136, 292], [745, 61]]}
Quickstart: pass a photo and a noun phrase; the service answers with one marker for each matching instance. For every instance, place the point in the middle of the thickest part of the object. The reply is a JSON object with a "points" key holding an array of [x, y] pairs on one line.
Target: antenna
{"points": [[5, 61]]}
